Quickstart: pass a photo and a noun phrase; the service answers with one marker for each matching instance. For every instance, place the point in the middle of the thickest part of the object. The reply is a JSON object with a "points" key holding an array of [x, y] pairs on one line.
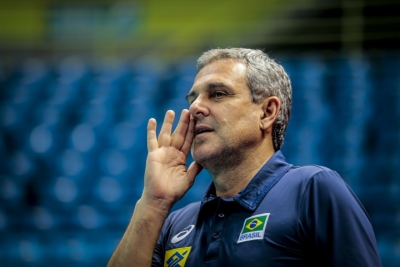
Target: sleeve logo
{"points": [[254, 228], [181, 235], [176, 257]]}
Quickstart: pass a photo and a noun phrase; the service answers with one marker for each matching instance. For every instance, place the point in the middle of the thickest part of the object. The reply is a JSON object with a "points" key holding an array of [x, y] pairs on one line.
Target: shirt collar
{"points": [[262, 182]]}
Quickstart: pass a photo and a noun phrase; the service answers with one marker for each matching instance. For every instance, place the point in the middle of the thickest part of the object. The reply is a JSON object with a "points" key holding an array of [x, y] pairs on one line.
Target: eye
{"points": [[190, 100], [218, 94]]}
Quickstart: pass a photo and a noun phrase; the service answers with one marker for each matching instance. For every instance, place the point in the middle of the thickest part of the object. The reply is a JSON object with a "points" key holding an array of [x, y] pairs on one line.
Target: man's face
{"points": [[227, 121]]}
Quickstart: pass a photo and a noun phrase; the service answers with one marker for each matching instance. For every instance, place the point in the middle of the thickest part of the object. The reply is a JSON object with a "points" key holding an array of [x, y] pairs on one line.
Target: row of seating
{"points": [[73, 146]]}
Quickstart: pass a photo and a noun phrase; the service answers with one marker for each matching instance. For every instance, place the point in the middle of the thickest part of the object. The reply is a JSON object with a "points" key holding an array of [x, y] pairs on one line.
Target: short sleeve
{"points": [[335, 225], [158, 257]]}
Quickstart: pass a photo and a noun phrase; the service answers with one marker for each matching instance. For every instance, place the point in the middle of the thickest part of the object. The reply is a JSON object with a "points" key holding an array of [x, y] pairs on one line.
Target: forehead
{"points": [[227, 71]]}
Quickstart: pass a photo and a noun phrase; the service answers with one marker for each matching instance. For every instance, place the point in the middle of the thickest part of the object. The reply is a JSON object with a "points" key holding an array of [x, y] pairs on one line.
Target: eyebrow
{"points": [[210, 87]]}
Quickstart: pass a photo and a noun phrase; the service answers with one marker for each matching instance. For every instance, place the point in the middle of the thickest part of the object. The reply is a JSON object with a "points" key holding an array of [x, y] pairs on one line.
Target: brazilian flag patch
{"points": [[176, 257], [254, 228]]}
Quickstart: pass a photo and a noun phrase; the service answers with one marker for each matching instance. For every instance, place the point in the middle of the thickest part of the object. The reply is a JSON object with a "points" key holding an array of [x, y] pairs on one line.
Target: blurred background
{"points": [[80, 79]]}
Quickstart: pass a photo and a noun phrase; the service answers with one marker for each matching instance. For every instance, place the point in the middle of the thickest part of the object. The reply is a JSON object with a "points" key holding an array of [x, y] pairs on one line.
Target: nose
{"points": [[198, 109]]}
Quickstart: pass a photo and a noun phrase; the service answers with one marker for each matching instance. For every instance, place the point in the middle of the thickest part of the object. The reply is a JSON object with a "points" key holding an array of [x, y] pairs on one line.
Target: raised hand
{"points": [[166, 178]]}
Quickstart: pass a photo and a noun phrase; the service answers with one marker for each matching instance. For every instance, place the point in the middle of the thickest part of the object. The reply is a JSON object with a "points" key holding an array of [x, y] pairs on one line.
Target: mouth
{"points": [[201, 129]]}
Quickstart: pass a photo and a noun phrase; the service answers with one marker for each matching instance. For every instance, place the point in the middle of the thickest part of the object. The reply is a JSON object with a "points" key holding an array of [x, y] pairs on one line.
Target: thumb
{"points": [[193, 170]]}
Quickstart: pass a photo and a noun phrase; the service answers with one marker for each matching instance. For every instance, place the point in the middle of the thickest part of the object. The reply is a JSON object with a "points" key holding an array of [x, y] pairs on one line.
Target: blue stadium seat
{"points": [[22, 249], [73, 146]]}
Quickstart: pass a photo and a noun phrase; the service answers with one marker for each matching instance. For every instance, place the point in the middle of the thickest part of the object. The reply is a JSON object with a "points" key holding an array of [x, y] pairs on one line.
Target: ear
{"points": [[270, 110]]}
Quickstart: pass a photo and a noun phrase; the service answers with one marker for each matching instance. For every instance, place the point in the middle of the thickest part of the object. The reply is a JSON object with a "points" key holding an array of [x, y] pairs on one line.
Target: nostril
{"points": [[198, 111]]}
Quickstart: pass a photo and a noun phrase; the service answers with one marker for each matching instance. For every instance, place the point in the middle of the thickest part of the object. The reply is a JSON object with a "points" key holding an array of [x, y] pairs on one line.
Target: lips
{"points": [[199, 129]]}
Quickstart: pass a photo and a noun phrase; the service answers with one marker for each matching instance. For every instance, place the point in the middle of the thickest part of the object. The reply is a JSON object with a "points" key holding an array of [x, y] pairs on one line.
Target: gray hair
{"points": [[264, 77]]}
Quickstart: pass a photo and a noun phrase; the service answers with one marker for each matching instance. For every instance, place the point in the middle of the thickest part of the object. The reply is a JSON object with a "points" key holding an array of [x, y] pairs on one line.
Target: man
{"points": [[259, 210]]}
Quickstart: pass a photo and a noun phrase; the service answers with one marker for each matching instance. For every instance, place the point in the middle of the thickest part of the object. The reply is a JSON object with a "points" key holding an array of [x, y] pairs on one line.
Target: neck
{"points": [[233, 174]]}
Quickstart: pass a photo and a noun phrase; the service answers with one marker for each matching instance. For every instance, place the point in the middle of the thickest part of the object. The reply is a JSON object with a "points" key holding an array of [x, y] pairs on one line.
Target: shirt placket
{"points": [[216, 233]]}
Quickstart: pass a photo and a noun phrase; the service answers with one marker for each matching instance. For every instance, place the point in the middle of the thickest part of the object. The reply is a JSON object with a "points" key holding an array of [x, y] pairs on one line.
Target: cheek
{"points": [[240, 119], [242, 130], [250, 126]]}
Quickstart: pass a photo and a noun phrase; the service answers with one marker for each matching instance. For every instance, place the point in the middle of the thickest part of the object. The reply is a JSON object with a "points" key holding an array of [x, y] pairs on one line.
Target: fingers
{"points": [[164, 138], [182, 137], [179, 135], [188, 137], [193, 170], [152, 143]]}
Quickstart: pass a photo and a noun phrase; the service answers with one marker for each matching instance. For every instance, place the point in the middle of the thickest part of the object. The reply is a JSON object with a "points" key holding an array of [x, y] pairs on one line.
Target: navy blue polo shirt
{"points": [[286, 216]]}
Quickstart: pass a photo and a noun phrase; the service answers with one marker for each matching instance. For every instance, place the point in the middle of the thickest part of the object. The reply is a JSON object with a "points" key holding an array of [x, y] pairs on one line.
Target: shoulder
{"points": [[325, 188], [332, 220], [315, 182], [317, 175], [309, 171]]}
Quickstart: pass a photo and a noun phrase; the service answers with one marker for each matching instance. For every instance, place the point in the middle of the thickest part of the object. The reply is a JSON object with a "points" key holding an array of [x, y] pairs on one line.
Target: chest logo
{"points": [[254, 228], [176, 257], [182, 234]]}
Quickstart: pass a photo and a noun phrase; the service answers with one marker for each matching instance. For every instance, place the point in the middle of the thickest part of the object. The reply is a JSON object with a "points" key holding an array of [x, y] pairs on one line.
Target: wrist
{"points": [[160, 206]]}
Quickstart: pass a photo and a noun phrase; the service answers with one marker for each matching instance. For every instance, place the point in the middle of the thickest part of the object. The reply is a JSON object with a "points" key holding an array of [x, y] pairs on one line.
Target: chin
{"points": [[210, 159], [201, 155]]}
